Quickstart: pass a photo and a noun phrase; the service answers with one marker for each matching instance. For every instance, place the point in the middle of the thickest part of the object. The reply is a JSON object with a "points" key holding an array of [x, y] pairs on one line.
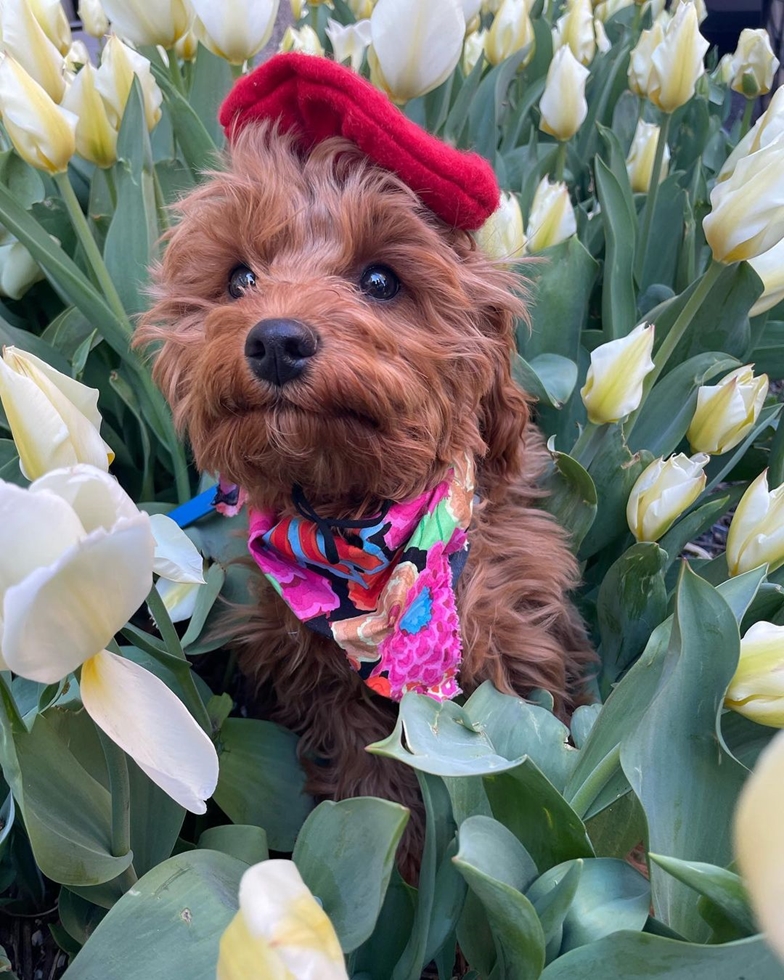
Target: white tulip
{"points": [[576, 28], [119, 64], [150, 21], [754, 65], [96, 137], [608, 8], [699, 6], [770, 268], [756, 534], [302, 39], [639, 71], [473, 50], [50, 14], [416, 45], [602, 41], [176, 558], [639, 162], [93, 17], [552, 218], [349, 43], [756, 690], [677, 63], [235, 29], [24, 39], [18, 272], [563, 106], [502, 236], [662, 492], [765, 131], [614, 383], [727, 412], [179, 598], [77, 56], [510, 31]]}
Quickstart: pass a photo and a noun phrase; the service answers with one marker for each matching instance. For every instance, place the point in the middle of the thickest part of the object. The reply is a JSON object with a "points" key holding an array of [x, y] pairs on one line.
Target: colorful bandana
{"points": [[383, 588]]}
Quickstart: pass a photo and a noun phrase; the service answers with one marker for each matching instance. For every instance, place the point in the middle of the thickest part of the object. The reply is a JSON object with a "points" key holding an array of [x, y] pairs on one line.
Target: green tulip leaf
{"points": [[571, 496], [724, 888], [210, 83], [551, 896], [242, 841], [666, 233], [619, 304], [198, 147]]}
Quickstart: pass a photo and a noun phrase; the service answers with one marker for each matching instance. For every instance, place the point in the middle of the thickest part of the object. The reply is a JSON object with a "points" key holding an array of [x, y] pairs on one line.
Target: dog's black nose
{"points": [[278, 350]]}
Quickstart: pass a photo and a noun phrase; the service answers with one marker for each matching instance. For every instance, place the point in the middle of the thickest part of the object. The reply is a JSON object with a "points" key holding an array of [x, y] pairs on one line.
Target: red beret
{"points": [[317, 98]]}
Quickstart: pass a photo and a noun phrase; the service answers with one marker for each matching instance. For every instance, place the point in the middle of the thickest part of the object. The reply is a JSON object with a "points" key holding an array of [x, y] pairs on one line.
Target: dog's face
{"points": [[321, 327]]}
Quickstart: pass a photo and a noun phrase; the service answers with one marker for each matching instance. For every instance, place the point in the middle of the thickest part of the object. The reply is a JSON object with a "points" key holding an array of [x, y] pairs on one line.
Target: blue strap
{"points": [[193, 510]]}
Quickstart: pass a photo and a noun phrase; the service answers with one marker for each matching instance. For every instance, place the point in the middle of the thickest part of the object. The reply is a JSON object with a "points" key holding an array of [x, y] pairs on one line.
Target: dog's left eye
{"points": [[240, 280], [379, 282]]}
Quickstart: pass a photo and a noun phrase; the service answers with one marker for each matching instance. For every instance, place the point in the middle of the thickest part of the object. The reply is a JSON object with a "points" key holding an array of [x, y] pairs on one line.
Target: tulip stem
{"points": [[650, 201], [588, 442], [176, 72], [745, 123], [183, 672], [560, 161], [120, 792]]}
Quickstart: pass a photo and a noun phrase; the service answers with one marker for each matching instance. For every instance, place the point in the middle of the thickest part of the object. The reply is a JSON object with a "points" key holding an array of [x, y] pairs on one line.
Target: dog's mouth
{"points": [[282, 410]]}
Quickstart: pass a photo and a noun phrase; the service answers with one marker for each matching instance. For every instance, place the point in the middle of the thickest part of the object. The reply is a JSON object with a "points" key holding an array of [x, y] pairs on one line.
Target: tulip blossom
{"points": [[43, 133], [25, 40], [639, 162], [562, 106], [349, 43], [144, 22], [757, 688], [759, 844], [677, 63], [754, 65], [302, 39], [280, 932], [502, 236], [576, 29], [187, 47], [119, 65], [235, 29], [770, 268], [614, 383], [662, 492], [361, 9], [608, 8], [765, 131], [552, 219], [54, 419], [77, 56], [96, 138], [473, 50], [179, 598], [723, 71], [726, 412], [18, 272], [756, 535], [699, 6], [510, 31], [416, 45], [83, 561], [93, 17], [747, 209], [639, 71], [51, 15]]}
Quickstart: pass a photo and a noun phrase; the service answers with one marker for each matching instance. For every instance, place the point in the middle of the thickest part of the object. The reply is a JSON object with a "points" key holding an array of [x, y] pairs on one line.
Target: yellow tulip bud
{"points": [[756, 535], [96, 138], [144, 22], [639, 71], [18, 270], [50, 14], [114, 79], [562, 106], [552, 219], [502, 236], [24, 39], [723, 71], [473, 49], [349, 43], [416, 45], [510, 31], [613, 385], [757, 688], [235, 29], [77, 56], [280, 931], [43, 133], [770, 268], [676, 64], [303, 39], [187, 47], [747, 216], [53, 418], [759, 844], [726, 412], [754, 65], [639, 162], [576, 29], [93, 17], [662, 492]]}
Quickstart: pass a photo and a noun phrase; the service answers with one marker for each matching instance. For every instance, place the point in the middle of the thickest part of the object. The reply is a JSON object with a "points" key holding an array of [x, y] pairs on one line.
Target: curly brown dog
{"points": [[403, 333]]}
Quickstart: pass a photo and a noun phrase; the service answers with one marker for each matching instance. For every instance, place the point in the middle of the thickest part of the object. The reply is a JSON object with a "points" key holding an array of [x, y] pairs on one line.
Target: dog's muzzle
{"points": [[278, 350]]}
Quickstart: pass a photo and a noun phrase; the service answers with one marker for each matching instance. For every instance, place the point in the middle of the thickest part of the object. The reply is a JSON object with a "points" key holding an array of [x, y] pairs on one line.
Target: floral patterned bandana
{"points": [[382, 588]]}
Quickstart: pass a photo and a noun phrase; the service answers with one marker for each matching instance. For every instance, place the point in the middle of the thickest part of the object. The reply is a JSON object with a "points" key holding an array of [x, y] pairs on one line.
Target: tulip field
{"points": [[152, 824]]}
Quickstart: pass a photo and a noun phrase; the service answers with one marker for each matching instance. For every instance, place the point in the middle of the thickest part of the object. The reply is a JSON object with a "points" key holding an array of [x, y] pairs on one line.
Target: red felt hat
{"points": [[318, 98]]}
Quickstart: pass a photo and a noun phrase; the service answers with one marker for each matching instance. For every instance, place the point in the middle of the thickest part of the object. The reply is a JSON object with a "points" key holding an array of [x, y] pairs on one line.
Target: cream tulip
{"points": [[24, 39], [756, 534], [576, 28], [677, 62], [614, 383], [511, 31], [699, 6], [349, 43], [235, 29], [727, 412], [552, 219], [93, 17], [562, 106], [43, 133], [143, 22], [747, 209], [770, 268], [51, 15], [602, 41], [187, 47], [639, 162], [18, 272], [724, 70], [754, 65], [473, 50], [662, 492], [119, 64], [302, 39], [179, 598], [416, 45], [765, 131], [96, 138], [54, 419], [502, 236], [759, 843], [77, 56], [639, 71], [280, 932], [757, 688], [361, 9], [608, 8]]}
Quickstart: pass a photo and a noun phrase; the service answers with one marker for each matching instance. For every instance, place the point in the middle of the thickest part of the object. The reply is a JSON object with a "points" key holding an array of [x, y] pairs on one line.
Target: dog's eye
{"points": [[379, 282], [240, 280]]}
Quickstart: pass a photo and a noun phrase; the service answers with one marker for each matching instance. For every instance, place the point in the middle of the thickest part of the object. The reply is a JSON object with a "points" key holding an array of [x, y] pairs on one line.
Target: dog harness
{"points": [[383, 587]]}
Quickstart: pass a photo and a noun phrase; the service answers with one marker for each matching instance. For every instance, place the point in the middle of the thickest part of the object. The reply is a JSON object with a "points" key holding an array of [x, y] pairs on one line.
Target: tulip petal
{"points": [[235, 29], [759, 843], [139, 712], [63, 613], [178, 597], [97, 497], [176, 556]]}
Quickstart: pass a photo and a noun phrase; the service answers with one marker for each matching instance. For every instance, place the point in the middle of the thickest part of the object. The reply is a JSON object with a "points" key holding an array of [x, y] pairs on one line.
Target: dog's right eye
{"points": [[240, 280]]}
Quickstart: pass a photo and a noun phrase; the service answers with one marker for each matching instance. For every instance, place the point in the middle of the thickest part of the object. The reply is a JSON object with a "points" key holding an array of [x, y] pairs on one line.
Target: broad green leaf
{"points": [[345, 853], [666, 234], [261, 781], [768, 353], [211, 81], [25, 182], [486, 107], [9, 463], [558, 374], [677, 768], [619, 306], [393, 930], [551, 896], [242, 841], [198, 147], [206, 598], [79, 917], [744, 739], [691, 526], [722, 887], [168, 925], [11, 336]]}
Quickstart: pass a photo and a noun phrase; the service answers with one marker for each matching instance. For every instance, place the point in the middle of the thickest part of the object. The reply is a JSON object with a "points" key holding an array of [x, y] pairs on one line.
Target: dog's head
{"points": [[322, 327]]}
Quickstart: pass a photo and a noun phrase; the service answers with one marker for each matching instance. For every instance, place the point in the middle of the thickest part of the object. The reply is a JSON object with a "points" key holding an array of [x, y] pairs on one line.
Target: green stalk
{"points": [[172, 641], [588, 442], [745, 123], [650, 201], [120, 791], [560, 161], [175, 72]]}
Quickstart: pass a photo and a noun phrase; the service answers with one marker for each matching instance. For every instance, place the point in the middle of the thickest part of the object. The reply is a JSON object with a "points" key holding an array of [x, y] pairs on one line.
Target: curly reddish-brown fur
{"points": [[396, 391]]}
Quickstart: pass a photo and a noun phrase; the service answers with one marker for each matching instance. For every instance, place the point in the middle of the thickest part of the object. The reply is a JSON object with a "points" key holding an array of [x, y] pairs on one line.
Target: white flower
{"points": [[235, 29], [757, 687], [770, 268], [349, 43], [502, 236], [765, 131], [119, 65], [150, 21], [576, 28], [25, 40], [754, 65], [677, 62], [303, 39], [93, 17], [563, 106], [662, 493], [639, 162], [18, 272], [756, 535], [510, 31], [552, 219], [96, 137], [726, 412], [614, 383]]}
